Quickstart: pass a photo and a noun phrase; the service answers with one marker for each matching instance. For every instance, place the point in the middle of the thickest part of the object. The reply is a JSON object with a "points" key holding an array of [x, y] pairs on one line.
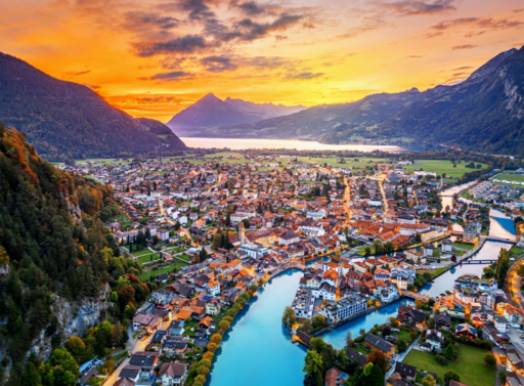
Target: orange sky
{"points": [[153, 58]]}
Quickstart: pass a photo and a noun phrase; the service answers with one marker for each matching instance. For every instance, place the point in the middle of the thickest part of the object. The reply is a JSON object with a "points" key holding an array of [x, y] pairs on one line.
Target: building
{"points": [[172, 373], [345, 309]]}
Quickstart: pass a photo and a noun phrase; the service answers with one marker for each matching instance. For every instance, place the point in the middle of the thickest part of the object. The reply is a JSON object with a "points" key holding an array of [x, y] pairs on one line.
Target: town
{"points": [[365, 235]]}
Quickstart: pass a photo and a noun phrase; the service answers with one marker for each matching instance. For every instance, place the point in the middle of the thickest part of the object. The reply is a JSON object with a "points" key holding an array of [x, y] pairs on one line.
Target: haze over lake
{"points": [[256, 143]]}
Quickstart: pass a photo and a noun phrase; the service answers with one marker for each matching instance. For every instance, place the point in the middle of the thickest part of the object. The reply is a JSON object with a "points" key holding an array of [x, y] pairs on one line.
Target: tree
{"points": [[314, 369], [61, 369], [370, 375], [502, 267], [428, 380], [319, 322], [379, 359], [289, 317], [451, 352], [402, 345], [77, 347], [451, 376], [489, 360]]}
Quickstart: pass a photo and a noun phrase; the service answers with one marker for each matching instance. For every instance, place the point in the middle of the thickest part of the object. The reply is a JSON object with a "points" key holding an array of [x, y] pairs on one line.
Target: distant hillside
{"points": [[65, 120], [484, 113], [54, 249], [208, 114]]}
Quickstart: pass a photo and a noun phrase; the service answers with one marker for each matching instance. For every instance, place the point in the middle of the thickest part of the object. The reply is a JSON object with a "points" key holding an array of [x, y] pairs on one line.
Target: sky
{"points": [[153, 58]]}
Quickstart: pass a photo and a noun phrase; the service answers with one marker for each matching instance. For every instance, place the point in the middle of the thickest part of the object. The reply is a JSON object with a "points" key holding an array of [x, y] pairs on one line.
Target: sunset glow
{"points": [[153, 58]]}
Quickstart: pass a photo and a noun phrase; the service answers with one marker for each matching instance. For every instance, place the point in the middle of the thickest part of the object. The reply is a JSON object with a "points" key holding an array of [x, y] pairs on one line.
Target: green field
{"points": [[355, 163], [512, 178], [460, 245], [444, 167], [223, 157], [148, 274], [104, 161], [469, 365], [145, 256]]}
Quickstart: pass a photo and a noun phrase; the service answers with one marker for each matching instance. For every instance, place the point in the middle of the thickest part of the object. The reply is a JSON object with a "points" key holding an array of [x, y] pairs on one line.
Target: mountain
{"points": [[210, 113], [485, 113], [56, 256], [65, 120]]}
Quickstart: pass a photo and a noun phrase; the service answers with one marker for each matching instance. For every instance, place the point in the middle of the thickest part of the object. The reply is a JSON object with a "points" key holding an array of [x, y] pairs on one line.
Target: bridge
{"points": [[414, 295], [479, 261], [500, 239]]}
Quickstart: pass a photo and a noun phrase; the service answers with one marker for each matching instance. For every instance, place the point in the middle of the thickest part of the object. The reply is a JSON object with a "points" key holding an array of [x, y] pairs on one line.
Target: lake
{"points": [[289, 144]]}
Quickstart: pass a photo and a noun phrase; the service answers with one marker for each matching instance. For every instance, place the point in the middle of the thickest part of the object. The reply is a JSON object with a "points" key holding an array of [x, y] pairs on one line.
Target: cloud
{"points": [[252, 8], [196, 9], [464, 46], [474, 26], [247, 29], [419, 7], [199, 29], [463, 68], [218, 63], [305, 75], [183, 44], [77, 73], [265, 61], [488, 23], [140, 21], [367, 24], [171, 75]]}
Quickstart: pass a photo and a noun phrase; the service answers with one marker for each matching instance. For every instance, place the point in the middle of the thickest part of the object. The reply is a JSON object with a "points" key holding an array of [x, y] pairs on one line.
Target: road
{"points": [[347, 201], [139, 345], [400, 357]]}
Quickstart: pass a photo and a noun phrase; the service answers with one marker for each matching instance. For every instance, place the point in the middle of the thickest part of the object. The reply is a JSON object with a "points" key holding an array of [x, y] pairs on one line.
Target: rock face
{"points": [[208, 114], [65, 120], [485, 112]]}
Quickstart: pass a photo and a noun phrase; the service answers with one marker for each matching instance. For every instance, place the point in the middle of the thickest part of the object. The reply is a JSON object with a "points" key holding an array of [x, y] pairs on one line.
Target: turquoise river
{"points": [[258, 352]]}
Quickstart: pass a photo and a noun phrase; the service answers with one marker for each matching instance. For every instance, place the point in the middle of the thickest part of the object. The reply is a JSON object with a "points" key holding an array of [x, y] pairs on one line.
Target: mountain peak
{"points": [[66, 120], [210, 97], [493, 64], [213, 112]]}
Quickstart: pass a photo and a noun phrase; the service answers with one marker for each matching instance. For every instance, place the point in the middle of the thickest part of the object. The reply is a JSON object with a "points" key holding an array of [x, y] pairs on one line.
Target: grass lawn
{"points": [[142, 259], [460, 245], [469, 365], [507, 177], [441, 167], [227, 157], [356, 163], [433, 272], [516, 251]]}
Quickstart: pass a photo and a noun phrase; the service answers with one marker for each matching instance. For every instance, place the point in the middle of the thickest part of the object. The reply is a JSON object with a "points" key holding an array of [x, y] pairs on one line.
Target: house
{"points": [[335, 377], [377, 343], [434, 340], [124, 382], [356, 356], [172, 373], [144, 360], [148, 322], [406, 372], [501, 324], [412, 317], [466, 330], [212, 307], [131, 373], [442, 321]]}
